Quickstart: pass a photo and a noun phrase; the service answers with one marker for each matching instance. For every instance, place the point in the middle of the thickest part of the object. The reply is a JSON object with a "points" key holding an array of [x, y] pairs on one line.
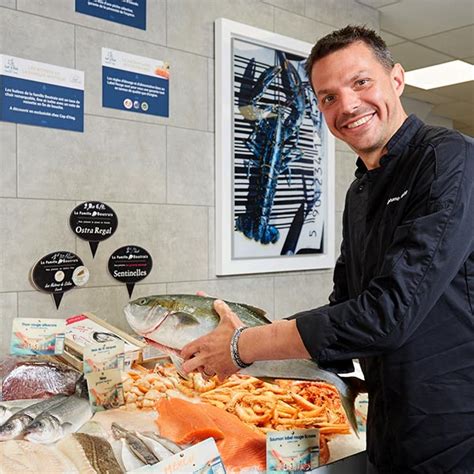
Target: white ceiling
{"points": [[426, 32]]}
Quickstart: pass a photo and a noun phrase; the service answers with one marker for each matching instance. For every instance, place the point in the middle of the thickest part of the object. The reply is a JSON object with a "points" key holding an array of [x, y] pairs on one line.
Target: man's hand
{"points": [[210, 354]]}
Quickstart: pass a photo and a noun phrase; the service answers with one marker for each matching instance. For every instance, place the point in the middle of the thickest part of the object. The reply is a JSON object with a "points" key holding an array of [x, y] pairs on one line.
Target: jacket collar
{"points": [[396, 145]]}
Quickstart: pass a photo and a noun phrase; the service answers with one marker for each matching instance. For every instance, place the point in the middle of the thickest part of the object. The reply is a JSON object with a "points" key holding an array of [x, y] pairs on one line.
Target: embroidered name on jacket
{"points": [[397, 198]]}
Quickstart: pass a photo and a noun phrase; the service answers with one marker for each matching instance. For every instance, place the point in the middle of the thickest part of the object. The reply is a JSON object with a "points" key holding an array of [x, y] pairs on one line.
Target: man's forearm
{"points": [[276, 341]]}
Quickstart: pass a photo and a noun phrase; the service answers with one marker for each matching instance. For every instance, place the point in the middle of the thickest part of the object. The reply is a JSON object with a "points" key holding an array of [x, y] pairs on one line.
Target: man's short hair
{"points": [[346, 36]]}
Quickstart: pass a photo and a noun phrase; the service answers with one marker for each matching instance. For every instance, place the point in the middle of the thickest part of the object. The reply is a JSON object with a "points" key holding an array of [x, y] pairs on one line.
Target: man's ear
{"points": [[397, 75]]}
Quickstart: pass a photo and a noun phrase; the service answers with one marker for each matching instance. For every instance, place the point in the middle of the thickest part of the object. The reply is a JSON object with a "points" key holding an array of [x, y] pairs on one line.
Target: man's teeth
{"points": [[359, 122]]}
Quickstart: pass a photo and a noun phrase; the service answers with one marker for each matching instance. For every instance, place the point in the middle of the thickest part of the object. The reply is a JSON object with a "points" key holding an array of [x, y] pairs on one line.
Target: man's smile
{"points": [[359, 122]]}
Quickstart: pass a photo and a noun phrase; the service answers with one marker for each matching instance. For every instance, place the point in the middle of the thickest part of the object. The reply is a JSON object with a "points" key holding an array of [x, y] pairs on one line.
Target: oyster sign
{"points": [[41, 94]]}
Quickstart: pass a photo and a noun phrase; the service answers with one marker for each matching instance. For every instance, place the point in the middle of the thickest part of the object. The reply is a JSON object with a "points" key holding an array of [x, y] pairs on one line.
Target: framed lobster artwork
{"points": [[274, 157]]}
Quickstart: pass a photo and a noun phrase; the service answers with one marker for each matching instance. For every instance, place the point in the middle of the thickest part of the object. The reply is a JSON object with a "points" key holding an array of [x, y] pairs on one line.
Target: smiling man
{"points": [[403, 294], [359, 96]]}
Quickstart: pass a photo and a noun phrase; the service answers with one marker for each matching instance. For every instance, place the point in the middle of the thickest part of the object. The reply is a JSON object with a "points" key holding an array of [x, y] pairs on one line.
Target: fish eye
{"points": [[142, 301]]}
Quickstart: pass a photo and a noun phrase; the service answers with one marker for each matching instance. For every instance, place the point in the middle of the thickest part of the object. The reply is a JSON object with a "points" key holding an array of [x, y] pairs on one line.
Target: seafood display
{"points": [[37, 378], [172, 321], [167, 410], [261, 405]]}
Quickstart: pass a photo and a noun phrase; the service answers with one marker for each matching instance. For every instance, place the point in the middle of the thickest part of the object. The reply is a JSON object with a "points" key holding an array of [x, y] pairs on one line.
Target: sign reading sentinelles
{"points": [[129, 265]]}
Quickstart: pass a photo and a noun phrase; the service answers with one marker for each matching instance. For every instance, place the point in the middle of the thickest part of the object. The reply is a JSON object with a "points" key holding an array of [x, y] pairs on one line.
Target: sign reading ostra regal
{"points": [[134, 83], [35, 93], [93, 221], [127, 12]]}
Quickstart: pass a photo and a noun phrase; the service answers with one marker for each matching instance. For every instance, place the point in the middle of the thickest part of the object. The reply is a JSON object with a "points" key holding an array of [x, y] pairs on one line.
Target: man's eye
{"points": [[362, 82], [328, 99]]}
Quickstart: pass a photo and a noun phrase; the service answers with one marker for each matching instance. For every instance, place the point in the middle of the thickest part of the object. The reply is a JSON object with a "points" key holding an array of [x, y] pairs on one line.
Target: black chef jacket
{"points": [[403, 301]]}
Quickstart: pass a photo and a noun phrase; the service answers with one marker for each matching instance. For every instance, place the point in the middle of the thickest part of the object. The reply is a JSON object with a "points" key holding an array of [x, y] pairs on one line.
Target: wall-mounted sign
{"points": [[59, 272], [129, 265], [93, 221], [126, 12], [134, 83], [36, 93]]}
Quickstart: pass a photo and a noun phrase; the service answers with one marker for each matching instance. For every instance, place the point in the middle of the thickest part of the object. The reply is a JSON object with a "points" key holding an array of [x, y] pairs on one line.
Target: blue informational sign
{"points": [[126, 12], [134, 83], [41, 94]]}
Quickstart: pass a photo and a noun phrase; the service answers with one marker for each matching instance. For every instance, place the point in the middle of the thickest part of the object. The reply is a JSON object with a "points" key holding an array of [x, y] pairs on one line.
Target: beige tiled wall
{"points": [[156, 173]]}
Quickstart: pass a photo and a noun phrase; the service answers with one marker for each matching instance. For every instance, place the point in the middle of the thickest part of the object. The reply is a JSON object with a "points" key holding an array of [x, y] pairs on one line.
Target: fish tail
{"points": [[348, 402], [354, 387]]}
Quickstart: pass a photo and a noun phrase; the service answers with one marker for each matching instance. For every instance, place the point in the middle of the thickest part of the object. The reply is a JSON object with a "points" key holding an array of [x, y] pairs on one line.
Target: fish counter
{"points": [[119, 406], [165, 414]]}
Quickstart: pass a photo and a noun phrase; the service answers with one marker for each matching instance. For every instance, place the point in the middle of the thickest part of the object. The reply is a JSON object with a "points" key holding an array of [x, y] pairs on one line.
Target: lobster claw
{"points": [[251, 91]]}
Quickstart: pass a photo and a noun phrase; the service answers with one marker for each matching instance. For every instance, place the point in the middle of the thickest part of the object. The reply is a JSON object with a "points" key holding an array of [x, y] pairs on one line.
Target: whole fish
{"points": [[171, 446], [10, 407], [136, 445], [5, 413], [169, 322], [15, 426], [59, 420]]}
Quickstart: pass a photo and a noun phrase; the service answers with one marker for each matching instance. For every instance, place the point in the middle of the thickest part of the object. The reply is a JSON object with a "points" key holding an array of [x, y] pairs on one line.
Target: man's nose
{"points": [[349, 101]]}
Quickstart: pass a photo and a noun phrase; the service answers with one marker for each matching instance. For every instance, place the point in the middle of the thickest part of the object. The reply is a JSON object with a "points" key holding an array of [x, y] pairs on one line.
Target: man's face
{"points": [[359, 98]]}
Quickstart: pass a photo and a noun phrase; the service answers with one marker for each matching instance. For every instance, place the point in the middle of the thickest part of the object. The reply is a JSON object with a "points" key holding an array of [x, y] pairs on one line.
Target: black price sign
{"points": [[93, 221], [129, 265], [59, 272]]}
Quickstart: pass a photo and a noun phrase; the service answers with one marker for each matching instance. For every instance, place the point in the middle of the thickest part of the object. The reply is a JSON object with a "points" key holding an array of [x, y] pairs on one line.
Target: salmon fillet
{"points": [[185, 422]]}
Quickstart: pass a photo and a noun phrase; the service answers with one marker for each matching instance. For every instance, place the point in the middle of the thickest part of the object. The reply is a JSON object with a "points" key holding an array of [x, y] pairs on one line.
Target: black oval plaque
{"points": [[56, 273], [130, 264], [93, 221]]}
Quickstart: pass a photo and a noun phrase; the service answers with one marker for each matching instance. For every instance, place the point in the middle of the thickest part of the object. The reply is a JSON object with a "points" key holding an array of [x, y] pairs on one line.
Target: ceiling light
{"points": [[440, 75]]}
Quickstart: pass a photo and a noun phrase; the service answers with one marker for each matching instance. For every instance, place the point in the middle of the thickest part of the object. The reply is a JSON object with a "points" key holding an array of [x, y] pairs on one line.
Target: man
{"points": [[404, 282]]}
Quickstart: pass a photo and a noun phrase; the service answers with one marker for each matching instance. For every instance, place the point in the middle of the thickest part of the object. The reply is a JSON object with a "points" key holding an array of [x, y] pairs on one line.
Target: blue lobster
{"points": [[273, 142]]}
